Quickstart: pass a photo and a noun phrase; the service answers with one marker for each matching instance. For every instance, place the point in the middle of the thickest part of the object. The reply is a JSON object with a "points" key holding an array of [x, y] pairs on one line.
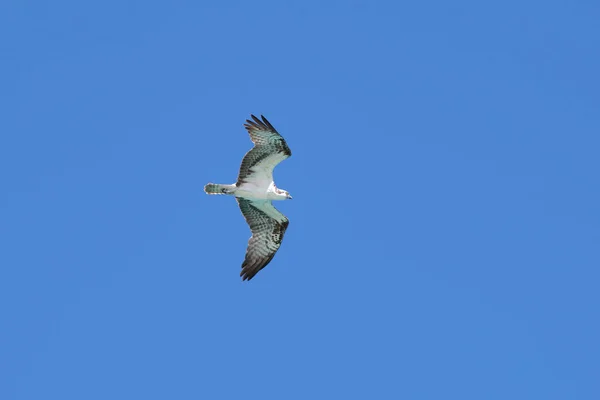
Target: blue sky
{"points": [[444, 233]]}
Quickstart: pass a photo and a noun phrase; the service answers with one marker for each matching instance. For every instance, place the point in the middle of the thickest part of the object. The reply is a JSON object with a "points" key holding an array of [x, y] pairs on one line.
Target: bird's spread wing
{"points": [[268, 227], [269, 150]]}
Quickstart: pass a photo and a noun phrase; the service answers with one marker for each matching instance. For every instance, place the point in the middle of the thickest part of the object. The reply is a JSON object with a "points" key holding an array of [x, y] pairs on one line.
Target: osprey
{"points": [[254, 191]]}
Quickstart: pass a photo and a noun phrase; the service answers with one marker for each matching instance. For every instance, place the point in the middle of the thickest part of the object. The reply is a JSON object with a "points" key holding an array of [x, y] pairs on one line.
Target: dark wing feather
{"points": [[269, 150], [268, 226]]}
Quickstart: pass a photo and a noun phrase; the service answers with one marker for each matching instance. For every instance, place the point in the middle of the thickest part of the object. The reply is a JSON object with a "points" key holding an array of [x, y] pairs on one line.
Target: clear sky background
{"points": [[445, 228]]}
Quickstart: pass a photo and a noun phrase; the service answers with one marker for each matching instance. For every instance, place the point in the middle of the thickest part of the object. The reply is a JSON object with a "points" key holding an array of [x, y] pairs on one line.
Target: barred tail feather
{"points": [[214, 188]]}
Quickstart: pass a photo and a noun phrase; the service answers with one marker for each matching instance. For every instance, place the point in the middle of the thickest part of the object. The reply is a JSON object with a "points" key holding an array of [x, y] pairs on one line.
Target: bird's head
{"points": [[284, 193]]}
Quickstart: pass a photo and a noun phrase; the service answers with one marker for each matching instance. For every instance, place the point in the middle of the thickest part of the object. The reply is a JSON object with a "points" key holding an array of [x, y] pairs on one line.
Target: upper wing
{"points": [[269, 150], [268, 227]]}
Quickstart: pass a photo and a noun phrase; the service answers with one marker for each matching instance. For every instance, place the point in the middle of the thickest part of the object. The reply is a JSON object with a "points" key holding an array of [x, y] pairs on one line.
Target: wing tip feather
{"points": [[261, 123]]}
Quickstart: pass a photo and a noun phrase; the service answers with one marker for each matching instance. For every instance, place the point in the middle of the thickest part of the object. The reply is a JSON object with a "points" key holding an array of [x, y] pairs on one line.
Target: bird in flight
{"points": [[254, 192]]}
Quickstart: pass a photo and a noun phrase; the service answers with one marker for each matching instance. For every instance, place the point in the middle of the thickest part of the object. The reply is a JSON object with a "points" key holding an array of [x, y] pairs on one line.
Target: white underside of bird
{"points": [[259, 191]]}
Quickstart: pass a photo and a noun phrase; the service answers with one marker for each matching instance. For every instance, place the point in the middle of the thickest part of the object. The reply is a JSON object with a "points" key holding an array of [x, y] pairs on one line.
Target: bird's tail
{"points": [[215, 188]]}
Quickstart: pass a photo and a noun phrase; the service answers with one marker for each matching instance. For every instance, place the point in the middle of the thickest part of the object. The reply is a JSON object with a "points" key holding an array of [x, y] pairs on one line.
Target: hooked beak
{"points": [[289, 197]]}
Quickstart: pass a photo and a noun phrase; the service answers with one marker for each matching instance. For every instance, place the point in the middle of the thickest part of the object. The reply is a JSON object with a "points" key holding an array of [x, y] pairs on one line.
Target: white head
{"points": [[282, 194]]}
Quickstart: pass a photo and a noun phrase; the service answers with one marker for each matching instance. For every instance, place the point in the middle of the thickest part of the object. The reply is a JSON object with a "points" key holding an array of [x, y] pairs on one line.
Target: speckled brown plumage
{"points": [[268, 227], [269, 148]]}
